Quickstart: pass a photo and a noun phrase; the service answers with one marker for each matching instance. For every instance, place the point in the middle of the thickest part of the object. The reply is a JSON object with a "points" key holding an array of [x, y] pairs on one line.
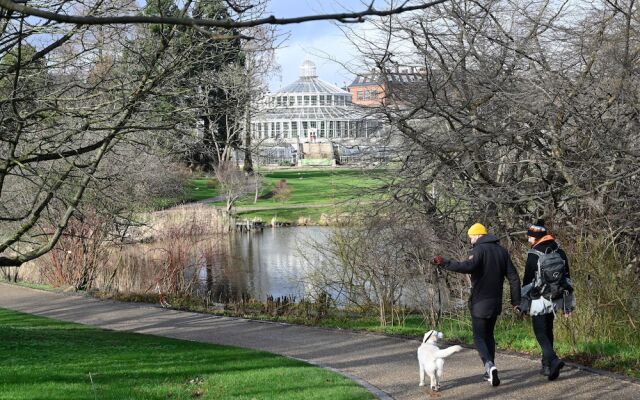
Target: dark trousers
{"points": [[543, 329], [483, 337]]}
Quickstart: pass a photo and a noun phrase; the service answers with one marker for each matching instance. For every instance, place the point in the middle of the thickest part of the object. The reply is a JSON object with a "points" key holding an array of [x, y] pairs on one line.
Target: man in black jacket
{"points": [[543, 242], [488, 265]]}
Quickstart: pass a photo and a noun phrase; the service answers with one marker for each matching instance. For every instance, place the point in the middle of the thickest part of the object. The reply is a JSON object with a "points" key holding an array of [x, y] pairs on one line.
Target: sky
{"points": [[318, 41]]}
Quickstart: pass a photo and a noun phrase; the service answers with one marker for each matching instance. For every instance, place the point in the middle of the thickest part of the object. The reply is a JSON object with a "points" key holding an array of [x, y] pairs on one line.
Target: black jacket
{"points": [[532, 260], [488, 265]]}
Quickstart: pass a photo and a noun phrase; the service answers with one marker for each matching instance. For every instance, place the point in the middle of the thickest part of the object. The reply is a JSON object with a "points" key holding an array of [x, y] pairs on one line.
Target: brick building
{"points": [[371, 89]]}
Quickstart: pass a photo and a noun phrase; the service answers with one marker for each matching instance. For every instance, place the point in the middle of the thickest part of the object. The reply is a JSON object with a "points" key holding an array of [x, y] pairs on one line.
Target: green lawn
{"points": [[314, 192], [196, 189], [325, 186], [48, 359], [202, 188], [326, 190], [315, 186]]}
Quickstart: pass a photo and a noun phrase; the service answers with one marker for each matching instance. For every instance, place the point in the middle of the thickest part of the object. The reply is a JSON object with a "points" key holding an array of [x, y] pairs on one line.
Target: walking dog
{"points": [[431, 358]]}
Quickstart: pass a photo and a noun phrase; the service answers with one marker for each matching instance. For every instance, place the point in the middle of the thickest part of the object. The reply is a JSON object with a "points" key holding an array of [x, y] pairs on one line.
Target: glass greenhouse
{"points": [[311, 110]]}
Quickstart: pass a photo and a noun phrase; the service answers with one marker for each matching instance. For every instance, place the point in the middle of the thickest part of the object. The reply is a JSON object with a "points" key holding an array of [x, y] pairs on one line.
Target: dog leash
{"points": [[438, 271]]}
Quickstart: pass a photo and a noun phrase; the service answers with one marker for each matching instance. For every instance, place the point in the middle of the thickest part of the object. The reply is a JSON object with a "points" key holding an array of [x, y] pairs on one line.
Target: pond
{"points": [[272, 262], [275, 262]]}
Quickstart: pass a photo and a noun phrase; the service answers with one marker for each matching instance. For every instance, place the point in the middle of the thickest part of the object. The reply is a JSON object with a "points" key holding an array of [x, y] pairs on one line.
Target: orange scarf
{"points": [[542, 239]]}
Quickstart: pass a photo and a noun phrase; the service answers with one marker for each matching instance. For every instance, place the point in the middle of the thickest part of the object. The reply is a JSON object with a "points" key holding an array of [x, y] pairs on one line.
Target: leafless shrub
{"points": [[161, 257], [382, 263], [235, 183], [79, 254], [282, 191], [10, 273], [606, 287]]}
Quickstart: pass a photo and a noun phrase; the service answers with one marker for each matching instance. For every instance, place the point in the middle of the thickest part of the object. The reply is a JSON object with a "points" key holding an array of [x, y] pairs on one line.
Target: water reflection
{"points": [[260, 264]]}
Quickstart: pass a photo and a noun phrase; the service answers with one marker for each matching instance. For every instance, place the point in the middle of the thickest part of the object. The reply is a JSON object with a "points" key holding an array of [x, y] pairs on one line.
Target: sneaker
{"points": [[554, 369], [545, 368], [493, 376], [486, 376]]}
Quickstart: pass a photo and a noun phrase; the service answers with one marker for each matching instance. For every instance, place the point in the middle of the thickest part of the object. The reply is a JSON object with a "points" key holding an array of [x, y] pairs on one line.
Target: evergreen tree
{"points": [[219, 109], [200, 98]]}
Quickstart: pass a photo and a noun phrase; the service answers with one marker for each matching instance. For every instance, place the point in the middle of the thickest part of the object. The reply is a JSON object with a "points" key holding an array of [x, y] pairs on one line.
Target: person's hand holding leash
{"points": [[437, 260]]}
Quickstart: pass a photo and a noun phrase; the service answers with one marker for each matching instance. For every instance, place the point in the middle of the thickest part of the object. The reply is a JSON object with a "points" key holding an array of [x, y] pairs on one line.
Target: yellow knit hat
{"points": [[477, 229]]}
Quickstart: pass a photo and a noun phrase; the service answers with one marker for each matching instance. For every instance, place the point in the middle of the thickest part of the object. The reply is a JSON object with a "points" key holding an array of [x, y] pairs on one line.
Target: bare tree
{"points": [[79, 78], [234, 183], [60, 120], [526, 109]]}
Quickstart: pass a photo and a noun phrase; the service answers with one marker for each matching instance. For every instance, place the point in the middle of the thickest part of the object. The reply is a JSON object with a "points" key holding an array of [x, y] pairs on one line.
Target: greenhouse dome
{"points": [[311, 110]]}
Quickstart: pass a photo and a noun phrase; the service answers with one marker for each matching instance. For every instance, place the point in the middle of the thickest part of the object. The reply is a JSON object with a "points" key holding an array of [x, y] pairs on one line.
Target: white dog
{"points": [[431, 358]]}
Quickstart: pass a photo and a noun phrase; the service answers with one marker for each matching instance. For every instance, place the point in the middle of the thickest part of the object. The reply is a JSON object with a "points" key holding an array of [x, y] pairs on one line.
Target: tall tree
{"points": [[217, 102], [526, 109], [98, 79]]}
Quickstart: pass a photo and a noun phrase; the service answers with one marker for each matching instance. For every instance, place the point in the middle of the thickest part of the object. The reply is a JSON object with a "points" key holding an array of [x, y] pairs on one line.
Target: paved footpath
{"points": [[388, 366]]}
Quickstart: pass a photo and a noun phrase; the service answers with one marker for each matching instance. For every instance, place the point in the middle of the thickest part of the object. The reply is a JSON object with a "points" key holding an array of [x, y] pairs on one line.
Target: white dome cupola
{"points": [[308, 70]]}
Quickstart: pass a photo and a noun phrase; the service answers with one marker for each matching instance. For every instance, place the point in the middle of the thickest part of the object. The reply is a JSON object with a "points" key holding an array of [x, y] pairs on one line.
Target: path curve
{"points": [[386, 363]]}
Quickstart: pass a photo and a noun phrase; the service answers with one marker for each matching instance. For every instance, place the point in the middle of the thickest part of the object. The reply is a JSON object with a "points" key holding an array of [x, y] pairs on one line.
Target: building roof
{"points": [[313, 113], [311, 85], [376, 78], [308, 82]]}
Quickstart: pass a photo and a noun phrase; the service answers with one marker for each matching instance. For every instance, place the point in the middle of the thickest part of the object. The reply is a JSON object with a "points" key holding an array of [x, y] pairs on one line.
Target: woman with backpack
{"points": [[547, 285]]}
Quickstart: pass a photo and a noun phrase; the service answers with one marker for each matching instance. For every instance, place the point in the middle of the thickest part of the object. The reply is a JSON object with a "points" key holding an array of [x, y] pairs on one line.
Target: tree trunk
{"points": [[248, 161]]}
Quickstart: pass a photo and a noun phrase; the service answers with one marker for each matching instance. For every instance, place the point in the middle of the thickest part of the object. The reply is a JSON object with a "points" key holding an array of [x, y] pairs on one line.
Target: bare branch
{"points": [[357, 16]]}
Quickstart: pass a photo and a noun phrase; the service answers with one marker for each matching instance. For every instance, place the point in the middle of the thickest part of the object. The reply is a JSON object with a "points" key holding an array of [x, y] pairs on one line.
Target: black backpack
{"points": [[550, 277]]}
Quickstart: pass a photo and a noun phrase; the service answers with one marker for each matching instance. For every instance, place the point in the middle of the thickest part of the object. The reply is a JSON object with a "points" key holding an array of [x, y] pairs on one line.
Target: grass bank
{"points": [[202, 188], [44, 358], [310, 215]]}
